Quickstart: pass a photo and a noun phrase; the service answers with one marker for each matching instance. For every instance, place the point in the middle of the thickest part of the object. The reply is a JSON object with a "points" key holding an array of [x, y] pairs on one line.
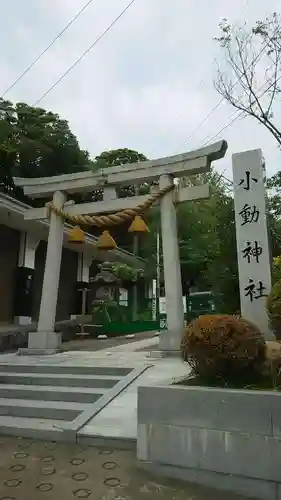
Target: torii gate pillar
{"points": [[46, 340], [170, 339]]}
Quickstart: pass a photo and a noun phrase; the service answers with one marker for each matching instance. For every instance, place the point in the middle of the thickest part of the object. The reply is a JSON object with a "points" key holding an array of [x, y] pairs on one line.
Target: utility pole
{"points": [[135, 285], [158, 275]]}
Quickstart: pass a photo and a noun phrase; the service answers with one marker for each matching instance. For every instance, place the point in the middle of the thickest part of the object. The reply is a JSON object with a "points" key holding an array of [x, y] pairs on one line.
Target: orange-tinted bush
{"points": [[223, 346]]}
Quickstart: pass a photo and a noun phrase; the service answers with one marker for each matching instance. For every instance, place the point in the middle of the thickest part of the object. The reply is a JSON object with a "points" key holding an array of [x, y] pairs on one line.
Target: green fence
{"points": [[118, 319]]}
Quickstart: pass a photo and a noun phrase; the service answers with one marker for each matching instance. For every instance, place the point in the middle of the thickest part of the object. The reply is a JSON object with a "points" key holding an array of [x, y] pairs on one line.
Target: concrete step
{"points": [[59, 379], [51, 393], [49, 430], [28, 408], [53, 402], [63, 369]]}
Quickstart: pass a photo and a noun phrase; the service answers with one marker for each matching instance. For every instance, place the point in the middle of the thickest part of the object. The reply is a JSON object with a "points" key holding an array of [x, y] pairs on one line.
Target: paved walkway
{"points": [[33, 470], [89, 344]]}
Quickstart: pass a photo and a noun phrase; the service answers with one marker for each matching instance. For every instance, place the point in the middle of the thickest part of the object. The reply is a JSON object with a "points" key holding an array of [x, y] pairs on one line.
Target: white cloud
{"points": [[139, 87]]}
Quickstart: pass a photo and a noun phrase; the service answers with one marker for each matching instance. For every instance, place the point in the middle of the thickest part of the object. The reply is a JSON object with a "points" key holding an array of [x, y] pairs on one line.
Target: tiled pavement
{"points": [[34, 470]]}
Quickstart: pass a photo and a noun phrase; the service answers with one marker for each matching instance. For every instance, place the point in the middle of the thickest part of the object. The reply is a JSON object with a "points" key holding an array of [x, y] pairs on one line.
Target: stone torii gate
{"points": [[163, 170]]}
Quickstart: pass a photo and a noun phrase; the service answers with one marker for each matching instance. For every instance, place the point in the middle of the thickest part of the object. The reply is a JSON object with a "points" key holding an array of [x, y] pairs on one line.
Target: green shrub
{"points": [[224, 347], [276, 269], [274, 308]]}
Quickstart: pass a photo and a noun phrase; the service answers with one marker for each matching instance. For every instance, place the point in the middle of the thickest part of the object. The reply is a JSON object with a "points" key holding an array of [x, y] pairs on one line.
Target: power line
{"points": [[86, 52], [167, 133], [205, 119], [234, 116], [47, 48], [221, 100]]}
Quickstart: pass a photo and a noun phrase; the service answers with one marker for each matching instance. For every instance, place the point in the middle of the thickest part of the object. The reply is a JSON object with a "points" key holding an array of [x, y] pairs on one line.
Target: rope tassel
{"points": [[106, 242], [138, 225]]}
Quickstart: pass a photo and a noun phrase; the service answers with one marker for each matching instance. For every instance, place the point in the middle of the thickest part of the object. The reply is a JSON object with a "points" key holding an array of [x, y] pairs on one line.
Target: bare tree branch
{"points": [[252, 56]]}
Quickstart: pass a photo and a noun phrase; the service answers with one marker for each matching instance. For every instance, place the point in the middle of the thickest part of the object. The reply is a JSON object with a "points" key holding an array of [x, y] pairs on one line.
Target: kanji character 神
{"points": [[252, 251]]}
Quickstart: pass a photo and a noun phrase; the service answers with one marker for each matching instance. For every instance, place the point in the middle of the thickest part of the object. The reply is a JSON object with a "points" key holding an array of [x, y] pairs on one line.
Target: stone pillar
{"points": [[46, 340], [170, 340], [24, 279], [252, 237]]}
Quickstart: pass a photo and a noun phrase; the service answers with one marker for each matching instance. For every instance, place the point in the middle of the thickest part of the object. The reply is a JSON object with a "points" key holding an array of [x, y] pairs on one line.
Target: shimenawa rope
{"points": [[111, 219]]}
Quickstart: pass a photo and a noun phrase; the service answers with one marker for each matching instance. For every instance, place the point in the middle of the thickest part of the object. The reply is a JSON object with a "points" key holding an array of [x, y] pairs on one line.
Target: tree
{"points": [[208, 251], [251, 81], [274, 186], [206, 234], [222, 270], [121, 156], [35, 143], [111, 158], [118, 157]]}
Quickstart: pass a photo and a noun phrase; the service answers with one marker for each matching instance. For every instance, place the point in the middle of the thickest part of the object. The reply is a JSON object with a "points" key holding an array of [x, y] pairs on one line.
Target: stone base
{"points": [[170, 341], [42, 343], [25, 351], [164, 354]]}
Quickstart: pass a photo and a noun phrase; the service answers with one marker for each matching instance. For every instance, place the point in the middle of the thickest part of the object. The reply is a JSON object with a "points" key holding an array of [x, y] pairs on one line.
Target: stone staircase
{"points": [[53, 402]]}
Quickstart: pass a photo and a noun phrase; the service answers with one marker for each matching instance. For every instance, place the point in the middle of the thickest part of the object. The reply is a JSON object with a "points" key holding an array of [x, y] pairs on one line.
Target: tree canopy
{"points": [[118, 157], [35, 143]]}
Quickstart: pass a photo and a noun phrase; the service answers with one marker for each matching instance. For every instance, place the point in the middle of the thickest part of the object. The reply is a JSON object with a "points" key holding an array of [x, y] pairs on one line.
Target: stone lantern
{"points": [[105, 285], [104, 305]]}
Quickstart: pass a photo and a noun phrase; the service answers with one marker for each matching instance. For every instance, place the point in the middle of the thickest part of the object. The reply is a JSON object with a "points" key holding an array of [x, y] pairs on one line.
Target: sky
{"points": [[146, 85]]}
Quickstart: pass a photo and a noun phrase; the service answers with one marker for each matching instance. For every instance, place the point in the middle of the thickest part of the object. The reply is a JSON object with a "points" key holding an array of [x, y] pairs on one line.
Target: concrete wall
{"points": [[221, 438]]}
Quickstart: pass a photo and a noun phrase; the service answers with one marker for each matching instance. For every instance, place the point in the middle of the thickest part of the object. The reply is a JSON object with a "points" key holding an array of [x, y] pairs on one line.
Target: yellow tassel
{"points": [[76, 235], [106, 242], [138, 225]]}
